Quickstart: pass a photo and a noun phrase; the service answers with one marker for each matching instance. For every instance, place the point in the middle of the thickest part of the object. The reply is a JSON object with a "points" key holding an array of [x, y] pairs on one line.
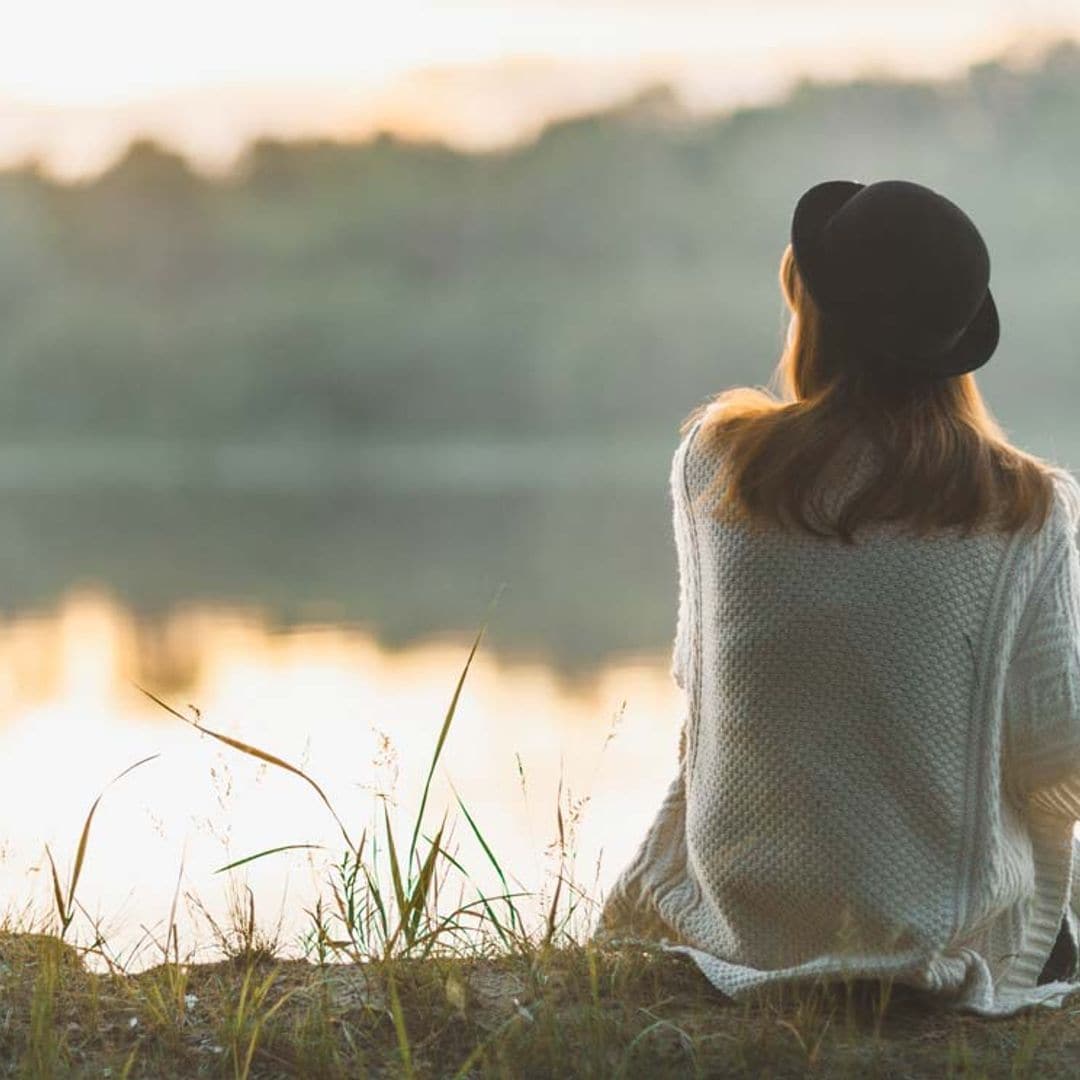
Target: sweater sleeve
{"points": [[1042, 691], [682, 529]]}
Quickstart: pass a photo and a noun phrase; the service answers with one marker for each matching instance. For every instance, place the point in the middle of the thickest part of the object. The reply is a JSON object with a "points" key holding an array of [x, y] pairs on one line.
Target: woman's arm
{"points": [[1042, 693], [682, 529], [660, 859]]}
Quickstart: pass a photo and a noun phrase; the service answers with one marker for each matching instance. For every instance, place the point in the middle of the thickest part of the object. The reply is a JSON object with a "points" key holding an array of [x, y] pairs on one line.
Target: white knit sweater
{"points": [[879, 768]]}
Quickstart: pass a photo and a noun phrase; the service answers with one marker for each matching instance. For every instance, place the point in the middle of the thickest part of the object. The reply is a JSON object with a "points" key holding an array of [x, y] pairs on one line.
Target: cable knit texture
{"points": [[879, 767]]}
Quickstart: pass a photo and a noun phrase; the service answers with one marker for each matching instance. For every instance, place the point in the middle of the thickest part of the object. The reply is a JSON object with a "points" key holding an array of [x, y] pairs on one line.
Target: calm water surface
{"points": [[360, 718], [329, 626], [321, 606]]}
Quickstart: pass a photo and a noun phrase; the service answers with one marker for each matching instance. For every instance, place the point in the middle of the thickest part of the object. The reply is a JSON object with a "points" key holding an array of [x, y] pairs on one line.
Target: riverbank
{"points": [[567, 1012], [400, 979]]}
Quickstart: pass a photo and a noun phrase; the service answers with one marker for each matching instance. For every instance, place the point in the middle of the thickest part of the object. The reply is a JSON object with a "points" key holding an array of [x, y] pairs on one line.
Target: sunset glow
{"points": [[360, 718], [77, 82]]}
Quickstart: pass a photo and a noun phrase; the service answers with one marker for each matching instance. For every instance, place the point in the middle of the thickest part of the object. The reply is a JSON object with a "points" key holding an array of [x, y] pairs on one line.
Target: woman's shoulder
{"points": [[1065, 514], [1061, 526], [1067, 493], [1063, 519], [698, 454]]}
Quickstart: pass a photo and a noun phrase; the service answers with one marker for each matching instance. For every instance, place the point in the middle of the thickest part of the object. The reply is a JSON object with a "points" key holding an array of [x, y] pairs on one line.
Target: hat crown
{"points": [[910, 253], [894, 263]]}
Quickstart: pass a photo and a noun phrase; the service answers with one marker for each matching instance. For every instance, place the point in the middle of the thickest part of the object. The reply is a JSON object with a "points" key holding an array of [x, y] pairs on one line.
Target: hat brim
{"points": [[974, 347], [812, 213]]}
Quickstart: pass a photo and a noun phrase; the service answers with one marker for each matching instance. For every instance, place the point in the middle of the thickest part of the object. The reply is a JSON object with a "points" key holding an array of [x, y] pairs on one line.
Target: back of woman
{"points": [[877, 635]]}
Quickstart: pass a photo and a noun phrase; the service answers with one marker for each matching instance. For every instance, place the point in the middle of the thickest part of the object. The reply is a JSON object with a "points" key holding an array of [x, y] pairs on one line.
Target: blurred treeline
{"points": [[604, 277]]}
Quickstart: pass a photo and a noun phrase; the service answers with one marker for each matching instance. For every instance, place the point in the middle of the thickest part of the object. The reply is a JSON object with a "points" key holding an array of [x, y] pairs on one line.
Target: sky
{"points": [[78, 80]]}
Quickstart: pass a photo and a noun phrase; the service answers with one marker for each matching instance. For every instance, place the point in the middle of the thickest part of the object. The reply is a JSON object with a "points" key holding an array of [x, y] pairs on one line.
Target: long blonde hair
{"points": [[945, 460]]}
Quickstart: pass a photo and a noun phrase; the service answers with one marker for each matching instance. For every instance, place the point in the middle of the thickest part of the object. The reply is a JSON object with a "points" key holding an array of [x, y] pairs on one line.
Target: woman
{"points": [[879, 639]]}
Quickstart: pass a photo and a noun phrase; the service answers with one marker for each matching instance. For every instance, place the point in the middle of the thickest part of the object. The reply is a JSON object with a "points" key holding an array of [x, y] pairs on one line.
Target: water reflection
{"points": [[359, 716], [589, 571]]}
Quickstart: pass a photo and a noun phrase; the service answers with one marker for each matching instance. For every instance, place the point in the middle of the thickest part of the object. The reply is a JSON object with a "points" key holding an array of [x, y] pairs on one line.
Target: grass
{"points": [[412, 971], [572, 1010]]}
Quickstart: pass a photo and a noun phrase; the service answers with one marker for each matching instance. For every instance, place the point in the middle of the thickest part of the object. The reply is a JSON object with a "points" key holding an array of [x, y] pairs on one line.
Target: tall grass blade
{"points": [[399, 888], [131, 768], [419, 893], [80, 851], [80, 854], [129, 1064], [550, 932], [446, 725], [66, 907], [514, 916], [269, 851], [170, 931], [58, 892], [399, 1028], [255, 752], [376, 899]]}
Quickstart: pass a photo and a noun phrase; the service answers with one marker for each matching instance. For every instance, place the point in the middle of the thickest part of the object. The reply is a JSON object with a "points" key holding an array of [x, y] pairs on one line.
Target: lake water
{"points": [[326, 621], [321, 605]]}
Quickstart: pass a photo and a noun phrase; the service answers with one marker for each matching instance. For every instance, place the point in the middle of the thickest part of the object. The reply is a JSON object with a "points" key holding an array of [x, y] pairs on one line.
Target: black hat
{"points": [[899, 270]]}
